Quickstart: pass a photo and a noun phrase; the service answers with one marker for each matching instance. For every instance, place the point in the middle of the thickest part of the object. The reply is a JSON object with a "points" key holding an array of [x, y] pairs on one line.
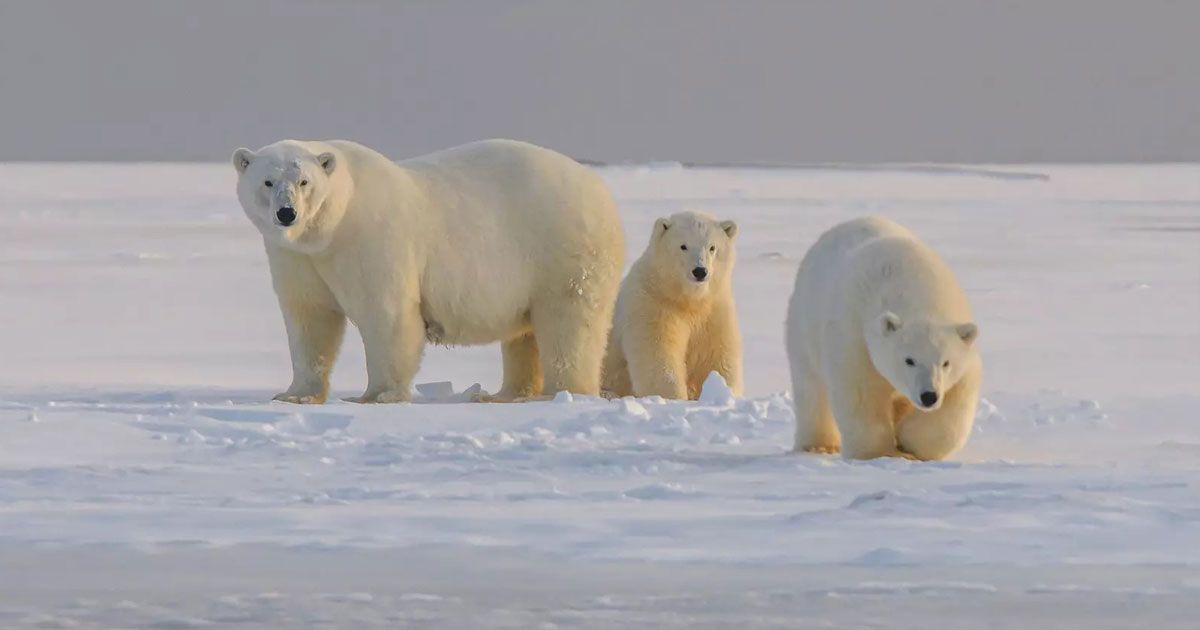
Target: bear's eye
{"points": [[268, 183], [683, 247], [712, 248], [946, 364], [304, 182], [909, 361]]}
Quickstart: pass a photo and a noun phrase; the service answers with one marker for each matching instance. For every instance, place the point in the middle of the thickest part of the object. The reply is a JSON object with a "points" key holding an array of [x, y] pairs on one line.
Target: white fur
{"points": [[670, 330], [491, 241], [868, 296]]}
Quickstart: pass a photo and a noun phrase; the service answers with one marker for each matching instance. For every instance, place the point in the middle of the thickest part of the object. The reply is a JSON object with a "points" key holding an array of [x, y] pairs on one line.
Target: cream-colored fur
{"points": [[869, 299], [491, 241], [670, 330]]}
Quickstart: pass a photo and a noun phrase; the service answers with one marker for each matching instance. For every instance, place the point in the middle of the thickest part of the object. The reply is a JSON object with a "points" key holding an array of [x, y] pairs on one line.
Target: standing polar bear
{"points": [[491, 241], [880, 340], [675, 319]]}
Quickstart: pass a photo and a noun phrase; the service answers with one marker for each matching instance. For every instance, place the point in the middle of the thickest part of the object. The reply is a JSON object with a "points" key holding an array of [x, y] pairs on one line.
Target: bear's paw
{"points": [[300, 399]]}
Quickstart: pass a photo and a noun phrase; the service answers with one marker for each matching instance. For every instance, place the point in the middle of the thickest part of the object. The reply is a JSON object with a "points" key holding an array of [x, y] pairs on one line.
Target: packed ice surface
{"points": [[141, 345]]}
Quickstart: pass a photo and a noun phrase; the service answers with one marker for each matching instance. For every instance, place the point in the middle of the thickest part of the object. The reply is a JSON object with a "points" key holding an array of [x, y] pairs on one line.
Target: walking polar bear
{"points": [[675, 319], [491, 241], [880, 340]]}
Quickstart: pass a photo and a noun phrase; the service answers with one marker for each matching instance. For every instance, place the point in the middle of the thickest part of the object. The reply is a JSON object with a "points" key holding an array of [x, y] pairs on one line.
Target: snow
{"points": [[142, 345], [715, 391]]}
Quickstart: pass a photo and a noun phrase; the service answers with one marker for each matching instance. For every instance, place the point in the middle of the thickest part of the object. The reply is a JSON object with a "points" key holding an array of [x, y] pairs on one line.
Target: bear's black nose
{"points": [[928, 399], [286, 216], [699, 273]]}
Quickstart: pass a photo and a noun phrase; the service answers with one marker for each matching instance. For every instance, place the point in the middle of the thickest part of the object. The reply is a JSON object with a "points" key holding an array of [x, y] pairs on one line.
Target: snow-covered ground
{"points": [[145, 480]]}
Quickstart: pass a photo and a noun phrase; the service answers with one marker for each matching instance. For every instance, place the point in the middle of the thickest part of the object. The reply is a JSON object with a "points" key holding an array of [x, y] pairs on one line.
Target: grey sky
{"points": [[889, 80]]}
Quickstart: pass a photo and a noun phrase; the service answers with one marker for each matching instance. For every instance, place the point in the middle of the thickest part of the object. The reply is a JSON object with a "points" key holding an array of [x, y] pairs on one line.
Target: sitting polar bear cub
{"points": [[675, 320], [491, 241], [880, 341]]}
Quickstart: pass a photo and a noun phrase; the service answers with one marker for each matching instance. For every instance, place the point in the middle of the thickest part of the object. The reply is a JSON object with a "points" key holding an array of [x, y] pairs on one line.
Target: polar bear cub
{"points": [[490, 241], [675, 320], [880, 339]]}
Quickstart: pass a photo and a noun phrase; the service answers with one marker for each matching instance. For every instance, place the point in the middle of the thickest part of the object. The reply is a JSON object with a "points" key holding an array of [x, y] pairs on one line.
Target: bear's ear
{"points": [[661, 226], [327, 162], [242, 158], [889, 323], [967, 332], [730, 228]]}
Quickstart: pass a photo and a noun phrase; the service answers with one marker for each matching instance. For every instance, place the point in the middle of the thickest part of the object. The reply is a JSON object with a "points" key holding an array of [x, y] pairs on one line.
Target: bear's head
{"points": [[296, 197], [921, 359], [693, 252]]}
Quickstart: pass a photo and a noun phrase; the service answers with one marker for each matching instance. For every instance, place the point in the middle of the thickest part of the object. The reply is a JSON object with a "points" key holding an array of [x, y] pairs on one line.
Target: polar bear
{"points": [[880, 338], [675, 319], [491, 241]]}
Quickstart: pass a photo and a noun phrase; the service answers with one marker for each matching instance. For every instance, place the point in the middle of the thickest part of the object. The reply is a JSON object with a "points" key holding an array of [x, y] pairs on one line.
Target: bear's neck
{"points": [[677, 292]]}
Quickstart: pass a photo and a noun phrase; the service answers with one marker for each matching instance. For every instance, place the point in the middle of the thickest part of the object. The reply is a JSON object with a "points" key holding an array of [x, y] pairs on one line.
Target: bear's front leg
{"points": [[717, 347], [863, 414], [816, 432], [314, 337], [393, 345], [934, 435], [657, 360], [314, 323]]}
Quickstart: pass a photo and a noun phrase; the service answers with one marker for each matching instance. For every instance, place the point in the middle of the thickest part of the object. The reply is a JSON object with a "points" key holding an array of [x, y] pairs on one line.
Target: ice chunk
{"points": [[438, 391]]}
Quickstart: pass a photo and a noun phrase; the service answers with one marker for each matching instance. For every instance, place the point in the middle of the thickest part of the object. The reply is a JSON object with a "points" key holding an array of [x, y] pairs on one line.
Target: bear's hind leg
{"points": [[614, 373], [570, 335], [522, 369]]}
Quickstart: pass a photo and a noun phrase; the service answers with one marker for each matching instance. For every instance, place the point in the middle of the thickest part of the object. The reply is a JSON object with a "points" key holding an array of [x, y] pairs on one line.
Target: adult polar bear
{"points": [[491, 241], [880, 341]]}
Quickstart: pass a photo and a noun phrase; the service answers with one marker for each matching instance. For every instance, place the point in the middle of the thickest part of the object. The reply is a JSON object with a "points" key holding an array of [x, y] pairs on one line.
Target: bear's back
{"points": [[841, 240], [894, 270], [532, 194], [829, 268], [860, 268]]}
